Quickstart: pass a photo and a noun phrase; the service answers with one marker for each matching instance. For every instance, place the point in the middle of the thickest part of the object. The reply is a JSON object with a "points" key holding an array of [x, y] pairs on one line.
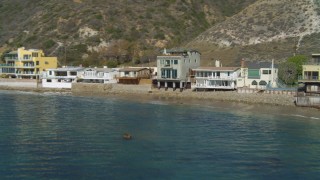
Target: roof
{"points": [[179, 50], [100, 69], [258, 64], [68, 69], [217, 68], [133, 69], [12, 52]]}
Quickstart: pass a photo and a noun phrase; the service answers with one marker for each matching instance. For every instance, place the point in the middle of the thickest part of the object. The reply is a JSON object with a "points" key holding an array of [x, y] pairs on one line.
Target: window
{"points": [[168, 75], [46, 62], [167, 63], [266, 71], [218, 74], [73, 73], [126, 73], [50, 73], [26, 56], [49, 80], [175, 62], [174, 73], [35, 54], [195, 60], [228, 73], [37, 63], [163, 74]]}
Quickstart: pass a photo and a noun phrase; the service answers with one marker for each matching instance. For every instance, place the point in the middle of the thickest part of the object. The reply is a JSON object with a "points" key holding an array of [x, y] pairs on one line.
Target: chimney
{"points": [[217, 63], [243, 63]]}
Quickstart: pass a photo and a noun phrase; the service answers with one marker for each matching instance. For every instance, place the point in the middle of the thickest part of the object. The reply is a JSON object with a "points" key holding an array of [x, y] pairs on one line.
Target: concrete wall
{"points": [[311, 101], [108, 88], [30, 83]]}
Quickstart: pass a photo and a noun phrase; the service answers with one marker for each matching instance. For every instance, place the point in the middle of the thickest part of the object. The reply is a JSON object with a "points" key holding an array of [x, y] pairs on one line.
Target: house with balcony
{"points": [[311, 75], [215, 78], [61, 77], [26, 63], [309, 90], [99, 75], [257, 75], [174, 68], [133, 75]]}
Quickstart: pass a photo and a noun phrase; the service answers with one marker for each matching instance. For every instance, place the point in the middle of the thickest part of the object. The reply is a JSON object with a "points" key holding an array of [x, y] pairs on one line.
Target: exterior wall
{"points": [[28, 63], [175, 68], [210, 80], [270, 78], [311, 72], [55, 84]]}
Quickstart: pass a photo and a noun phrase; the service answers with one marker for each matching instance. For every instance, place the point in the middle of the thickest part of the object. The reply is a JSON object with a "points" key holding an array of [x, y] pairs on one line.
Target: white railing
{"points": [[217, 78]]}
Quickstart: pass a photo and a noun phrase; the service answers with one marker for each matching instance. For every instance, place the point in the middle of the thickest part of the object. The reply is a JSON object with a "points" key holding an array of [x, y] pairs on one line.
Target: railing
{"points": [[11, 58], [309, 78], [6, 65], [217, 78]]}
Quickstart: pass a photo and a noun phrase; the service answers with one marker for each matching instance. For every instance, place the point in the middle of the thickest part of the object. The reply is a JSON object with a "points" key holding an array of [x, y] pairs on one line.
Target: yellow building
{"points": [[27, 64], [311, 75]]}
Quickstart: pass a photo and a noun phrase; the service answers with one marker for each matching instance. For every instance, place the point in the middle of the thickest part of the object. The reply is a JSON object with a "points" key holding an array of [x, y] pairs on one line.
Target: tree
{"points": [[288, 72], [298, 61]]}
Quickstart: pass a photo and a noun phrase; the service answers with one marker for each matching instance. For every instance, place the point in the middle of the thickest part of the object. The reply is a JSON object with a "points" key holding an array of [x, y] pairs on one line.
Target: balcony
{"points": [[227, 78], [309, 79], [10, 58], [7, 65]]}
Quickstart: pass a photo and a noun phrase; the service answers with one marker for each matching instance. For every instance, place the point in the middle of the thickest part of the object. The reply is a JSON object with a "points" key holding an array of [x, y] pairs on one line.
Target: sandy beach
{"points": [[145, 91]]}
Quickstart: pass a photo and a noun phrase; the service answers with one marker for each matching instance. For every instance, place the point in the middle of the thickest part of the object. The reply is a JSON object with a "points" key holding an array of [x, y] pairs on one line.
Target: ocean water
{"points": [[51, 136]]}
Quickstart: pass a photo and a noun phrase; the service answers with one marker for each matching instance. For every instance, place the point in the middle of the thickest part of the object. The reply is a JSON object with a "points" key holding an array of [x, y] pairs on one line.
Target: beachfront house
{"points": [[215, 78], [257, 75], [311, 75], [26, 63], [174, 68], [133, 75], [309, 90], [98, 75], [61, 77]]}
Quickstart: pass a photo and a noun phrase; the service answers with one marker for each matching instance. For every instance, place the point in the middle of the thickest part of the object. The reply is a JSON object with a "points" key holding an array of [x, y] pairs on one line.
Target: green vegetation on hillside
{"points": [[103, 27]]}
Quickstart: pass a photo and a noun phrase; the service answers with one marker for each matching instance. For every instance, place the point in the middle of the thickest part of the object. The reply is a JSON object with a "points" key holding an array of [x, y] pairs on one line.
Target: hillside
{"points": [[265, 30], [97, 32]]}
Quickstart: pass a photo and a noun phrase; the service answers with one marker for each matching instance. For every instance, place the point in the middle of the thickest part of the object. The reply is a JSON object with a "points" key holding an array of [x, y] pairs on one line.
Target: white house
{"points": [[98, 75], [222, 78], [258, 75], [174, 67], [61, 77]]}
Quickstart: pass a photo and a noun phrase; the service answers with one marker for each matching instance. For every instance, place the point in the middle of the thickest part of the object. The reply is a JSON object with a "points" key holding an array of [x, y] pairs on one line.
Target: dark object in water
{"points": [[127, 136]]}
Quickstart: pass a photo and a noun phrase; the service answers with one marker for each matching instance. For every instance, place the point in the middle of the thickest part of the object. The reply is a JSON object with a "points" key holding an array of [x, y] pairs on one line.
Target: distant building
{"points": [[27, 64], [311, 75], [219, 78], [257, 75], [98, 75], [61, 77], [133, 75], [174, 68], [309, 93]]}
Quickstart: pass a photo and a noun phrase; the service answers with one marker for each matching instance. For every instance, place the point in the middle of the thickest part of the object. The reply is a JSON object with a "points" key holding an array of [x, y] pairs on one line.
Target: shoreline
{"points": [[146, 92]]}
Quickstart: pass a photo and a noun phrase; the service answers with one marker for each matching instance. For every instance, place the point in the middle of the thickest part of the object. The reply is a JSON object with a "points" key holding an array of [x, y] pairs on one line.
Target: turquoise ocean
{"points": [[60, 136]]}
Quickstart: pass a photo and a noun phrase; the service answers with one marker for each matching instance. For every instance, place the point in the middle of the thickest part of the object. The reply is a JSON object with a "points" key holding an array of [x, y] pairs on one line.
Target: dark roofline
{"points": [[180, 50]]}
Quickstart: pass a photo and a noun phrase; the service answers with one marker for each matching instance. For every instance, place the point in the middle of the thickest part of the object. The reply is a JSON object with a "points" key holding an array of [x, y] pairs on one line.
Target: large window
{"points": [[168, 73], [266, 71], [163, 73], [175, 61], [174, 73], [167, 63], [254, 73]]}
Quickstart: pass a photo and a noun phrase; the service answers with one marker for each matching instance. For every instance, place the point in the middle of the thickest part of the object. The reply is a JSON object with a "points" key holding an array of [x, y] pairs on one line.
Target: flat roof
{"points": [[134, 69], [217, 68]]}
